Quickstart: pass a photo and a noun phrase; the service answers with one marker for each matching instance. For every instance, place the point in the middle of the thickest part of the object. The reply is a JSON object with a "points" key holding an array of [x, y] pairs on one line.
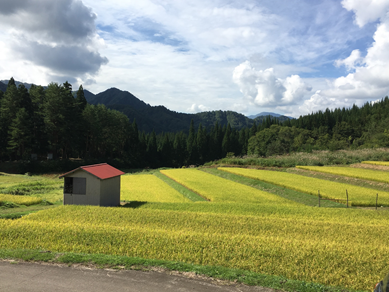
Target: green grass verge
{"points": [[21, 210], [130, 263], [292, 195], [183, 190]]}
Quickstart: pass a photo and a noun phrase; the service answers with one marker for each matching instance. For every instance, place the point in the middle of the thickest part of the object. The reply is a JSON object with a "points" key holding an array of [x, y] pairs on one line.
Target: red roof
{"points": [[101, 171]]}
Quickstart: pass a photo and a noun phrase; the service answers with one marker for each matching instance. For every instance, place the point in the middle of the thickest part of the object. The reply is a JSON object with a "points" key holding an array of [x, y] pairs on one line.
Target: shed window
{"points": [[75, 185]]}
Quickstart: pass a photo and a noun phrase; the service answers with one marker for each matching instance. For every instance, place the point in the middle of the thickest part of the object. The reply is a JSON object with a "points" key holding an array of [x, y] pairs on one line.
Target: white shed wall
{"points": [[92, 196], [110, 192]]}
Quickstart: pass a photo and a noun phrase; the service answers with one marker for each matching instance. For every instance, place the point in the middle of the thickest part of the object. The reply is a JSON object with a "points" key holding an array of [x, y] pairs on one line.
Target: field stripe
{"points": [[148, 188], [359, 196], [217, 189], [374, 175]]}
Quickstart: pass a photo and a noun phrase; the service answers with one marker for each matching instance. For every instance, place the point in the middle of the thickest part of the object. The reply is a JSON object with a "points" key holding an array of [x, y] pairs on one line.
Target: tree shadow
{"points": [[133, 204]]}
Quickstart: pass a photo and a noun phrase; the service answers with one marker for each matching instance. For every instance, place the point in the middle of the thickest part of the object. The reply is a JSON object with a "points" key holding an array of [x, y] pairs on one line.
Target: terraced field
{"points": [[359, 196], [361, 173], [333, 251], [384, 163], [21, 200], [217, 189], [239, 227], [148, 188]]}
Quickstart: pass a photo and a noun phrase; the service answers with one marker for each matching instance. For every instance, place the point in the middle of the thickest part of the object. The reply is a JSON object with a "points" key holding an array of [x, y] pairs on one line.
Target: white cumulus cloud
{"points": [[197, 108], [367, 10], [370, 77], [351, 61], [264, 88]]}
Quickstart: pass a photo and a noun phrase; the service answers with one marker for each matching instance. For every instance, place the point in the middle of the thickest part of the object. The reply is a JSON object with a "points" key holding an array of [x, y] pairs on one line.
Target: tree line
{"points": [[57, 120]]}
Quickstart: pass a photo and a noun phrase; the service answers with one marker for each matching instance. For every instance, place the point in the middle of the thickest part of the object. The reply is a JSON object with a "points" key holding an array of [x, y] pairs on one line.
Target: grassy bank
{"points": [[131, 263], [316, 158]]}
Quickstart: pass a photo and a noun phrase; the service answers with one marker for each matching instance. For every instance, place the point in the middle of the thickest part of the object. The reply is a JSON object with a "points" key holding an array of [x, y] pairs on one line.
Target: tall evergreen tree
{"points": [[80, 99], [191, 144], [226, 144], [202, 144]]}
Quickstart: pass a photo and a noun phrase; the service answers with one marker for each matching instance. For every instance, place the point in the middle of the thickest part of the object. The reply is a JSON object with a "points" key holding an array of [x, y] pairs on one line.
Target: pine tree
{"points": [[39, 141], [191, 145], [226, 144], [80, 99], [9, 106], [20, 135], [202, 144]]}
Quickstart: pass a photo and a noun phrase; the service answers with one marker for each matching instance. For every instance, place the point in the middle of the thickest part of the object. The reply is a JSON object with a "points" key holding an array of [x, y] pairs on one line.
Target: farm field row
{"points": [[217, 189], [21, 200], [383, 163], [37, 186], [335, 251], [359, 196], [361, 173], [148, 188]]}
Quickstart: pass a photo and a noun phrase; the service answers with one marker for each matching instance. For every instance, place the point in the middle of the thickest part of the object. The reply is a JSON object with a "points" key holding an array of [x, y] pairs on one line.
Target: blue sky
{"points": [[290, 57]]}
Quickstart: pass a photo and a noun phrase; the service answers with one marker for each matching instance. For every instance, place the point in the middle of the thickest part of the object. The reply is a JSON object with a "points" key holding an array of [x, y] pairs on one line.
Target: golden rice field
{"points": [[359, 196], [21, 200], [217, 189], [361, 173], [384, 163], [148, 188], [329, 248]]}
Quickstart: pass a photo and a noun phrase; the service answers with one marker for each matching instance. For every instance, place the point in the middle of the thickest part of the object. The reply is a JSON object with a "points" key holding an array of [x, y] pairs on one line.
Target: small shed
{"points": [[97, 184]]}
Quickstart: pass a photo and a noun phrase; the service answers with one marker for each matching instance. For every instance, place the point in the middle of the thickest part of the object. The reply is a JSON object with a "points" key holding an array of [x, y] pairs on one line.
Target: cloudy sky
{"points": [[291, 57]]}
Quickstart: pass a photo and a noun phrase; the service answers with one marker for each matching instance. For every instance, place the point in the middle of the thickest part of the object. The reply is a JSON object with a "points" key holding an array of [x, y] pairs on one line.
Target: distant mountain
{"points": [[157, 118], [3, 87], [114, 96], [27, 85], [89, 96], [268, 114]]}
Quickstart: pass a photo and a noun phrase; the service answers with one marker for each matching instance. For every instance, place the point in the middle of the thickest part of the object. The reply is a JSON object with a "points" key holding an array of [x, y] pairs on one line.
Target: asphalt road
{"points": [[35, 277]]}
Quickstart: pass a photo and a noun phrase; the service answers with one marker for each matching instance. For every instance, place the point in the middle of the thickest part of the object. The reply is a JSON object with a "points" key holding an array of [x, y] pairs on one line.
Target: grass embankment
{"points": [[316, 158], [326, 246]]}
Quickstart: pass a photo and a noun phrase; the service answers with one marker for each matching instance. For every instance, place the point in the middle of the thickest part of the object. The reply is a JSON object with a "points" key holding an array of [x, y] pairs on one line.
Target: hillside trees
{"points": [[55, 119]]}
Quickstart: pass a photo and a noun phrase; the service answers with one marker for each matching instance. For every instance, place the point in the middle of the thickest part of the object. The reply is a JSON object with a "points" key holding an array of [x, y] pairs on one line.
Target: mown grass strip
{"points": [[180, 188], [358, 196], [367, 174], [136, 263]]}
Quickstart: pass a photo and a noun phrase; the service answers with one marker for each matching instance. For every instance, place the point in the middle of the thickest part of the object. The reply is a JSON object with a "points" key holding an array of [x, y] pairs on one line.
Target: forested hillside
{"points": [[159, 118], [52, 120]]}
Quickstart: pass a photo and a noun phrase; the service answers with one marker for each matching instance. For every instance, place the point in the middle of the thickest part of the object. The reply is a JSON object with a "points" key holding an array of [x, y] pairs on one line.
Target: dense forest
{"points": [[57, 120]]}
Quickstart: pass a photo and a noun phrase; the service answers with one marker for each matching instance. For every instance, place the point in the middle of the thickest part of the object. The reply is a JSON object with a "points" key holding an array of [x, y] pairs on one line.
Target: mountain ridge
{"points": [[159, 118]]}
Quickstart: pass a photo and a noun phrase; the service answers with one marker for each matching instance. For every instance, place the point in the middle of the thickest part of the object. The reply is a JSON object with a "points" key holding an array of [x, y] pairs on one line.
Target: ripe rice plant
{"points": [[384, 163], [21, 200], [361, 173], [359, 196], [148, 188], [217, 189], [331, 250]]}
